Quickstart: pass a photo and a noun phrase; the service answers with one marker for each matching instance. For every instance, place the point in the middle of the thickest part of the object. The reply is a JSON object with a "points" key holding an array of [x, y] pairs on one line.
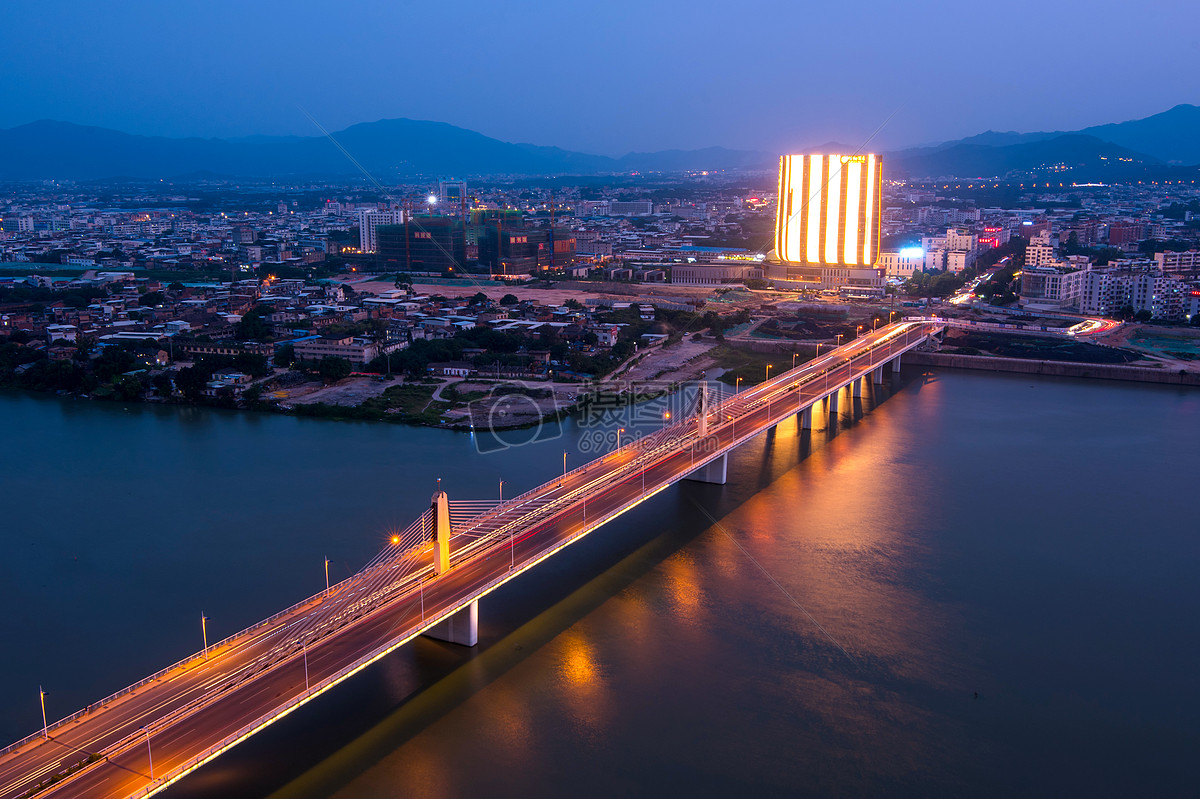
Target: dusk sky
{"points": [[604, 77]]}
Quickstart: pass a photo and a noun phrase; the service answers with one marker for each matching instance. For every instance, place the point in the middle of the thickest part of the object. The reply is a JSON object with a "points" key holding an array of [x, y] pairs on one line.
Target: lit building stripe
{"points": [[850, 247], [832, 210], [816, 178], [870, 223]]}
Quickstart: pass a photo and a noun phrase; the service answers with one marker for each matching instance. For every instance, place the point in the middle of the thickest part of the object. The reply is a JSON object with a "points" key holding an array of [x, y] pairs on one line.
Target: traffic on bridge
{"points": [[147, 736]]}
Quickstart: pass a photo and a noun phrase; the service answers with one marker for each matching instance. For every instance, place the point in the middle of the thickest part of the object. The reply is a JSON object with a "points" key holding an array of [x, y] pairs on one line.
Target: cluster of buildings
{"points": [[1167, 286]]}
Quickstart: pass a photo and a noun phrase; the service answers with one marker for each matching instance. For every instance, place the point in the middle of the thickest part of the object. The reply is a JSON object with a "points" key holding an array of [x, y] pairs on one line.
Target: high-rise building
{"points": [[423, 244], [369, 221], [829, 209], [525, 251], [827, 223], [452, 196]]}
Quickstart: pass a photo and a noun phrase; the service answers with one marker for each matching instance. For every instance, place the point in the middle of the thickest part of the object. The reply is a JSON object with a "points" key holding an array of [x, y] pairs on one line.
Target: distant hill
{"points": [[386, 149], [1172, 136], [1167, 138], [392, 149], [1078, 153]]}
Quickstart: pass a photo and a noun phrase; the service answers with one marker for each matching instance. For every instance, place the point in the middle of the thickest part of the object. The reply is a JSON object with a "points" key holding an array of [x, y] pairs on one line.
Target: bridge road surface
{"points": [[190, 723]]}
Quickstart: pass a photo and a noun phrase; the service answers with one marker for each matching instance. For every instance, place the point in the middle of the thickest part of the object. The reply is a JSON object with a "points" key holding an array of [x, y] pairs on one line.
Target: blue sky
{"points": [[605, 77]]}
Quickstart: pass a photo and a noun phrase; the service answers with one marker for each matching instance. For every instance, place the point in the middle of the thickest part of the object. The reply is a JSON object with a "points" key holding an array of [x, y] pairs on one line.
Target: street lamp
{"points": [[149, 754], [839, 339], [204, 632], [794, 354], [45, 726], [564, 464], [501, 490], [768, 377], [666, 418], [737, 386], [858, 332], [620, 430], [327, 575]]}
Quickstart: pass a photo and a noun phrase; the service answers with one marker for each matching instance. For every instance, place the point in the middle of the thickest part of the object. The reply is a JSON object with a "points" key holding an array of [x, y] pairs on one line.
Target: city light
{"points": [[829, 209]]}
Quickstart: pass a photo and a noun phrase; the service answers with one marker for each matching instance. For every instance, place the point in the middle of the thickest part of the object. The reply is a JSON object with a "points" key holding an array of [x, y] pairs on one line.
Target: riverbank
{"points": [[1137, 374]]}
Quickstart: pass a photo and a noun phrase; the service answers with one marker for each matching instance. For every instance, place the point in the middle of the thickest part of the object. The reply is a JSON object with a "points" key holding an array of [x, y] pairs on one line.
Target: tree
{"points": [[162, 385], [285, 355], [333, 369], [573, 304], [175, 286], [509, 299], [479, 299], [1143, 315], [191, 381], [152, 299], [253, 326]]}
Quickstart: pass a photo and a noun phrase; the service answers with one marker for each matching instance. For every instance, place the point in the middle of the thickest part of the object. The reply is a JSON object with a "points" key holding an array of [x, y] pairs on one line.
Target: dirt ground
{"points": [[681, 362], [351, 391]]}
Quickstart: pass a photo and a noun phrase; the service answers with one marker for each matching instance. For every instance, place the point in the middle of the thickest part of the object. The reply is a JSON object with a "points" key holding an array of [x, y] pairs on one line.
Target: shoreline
{"points": [[1135, 374]]}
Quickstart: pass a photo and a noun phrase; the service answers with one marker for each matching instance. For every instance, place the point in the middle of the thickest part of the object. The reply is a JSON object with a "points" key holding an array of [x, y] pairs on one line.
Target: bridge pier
{"points": [[896, 365], [832, 401], [877, 376], [715, 472], [806, 418], [857, 389], [461, 628]]}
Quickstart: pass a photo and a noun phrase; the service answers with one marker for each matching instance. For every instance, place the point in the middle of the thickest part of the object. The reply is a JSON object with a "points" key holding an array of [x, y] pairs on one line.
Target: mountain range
{"points": [[398, 148]]}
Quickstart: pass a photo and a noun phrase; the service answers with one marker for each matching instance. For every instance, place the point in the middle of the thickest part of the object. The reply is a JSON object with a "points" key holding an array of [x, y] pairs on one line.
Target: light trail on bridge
{"points": [[184, 716]]}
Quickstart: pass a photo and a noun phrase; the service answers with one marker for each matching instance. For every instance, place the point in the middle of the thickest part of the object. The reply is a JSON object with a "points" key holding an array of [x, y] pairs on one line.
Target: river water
{"points": [[986, 585]]}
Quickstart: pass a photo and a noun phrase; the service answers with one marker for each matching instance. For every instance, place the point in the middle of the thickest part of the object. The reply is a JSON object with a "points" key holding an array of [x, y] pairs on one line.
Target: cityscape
{"points": [[402, 459]]}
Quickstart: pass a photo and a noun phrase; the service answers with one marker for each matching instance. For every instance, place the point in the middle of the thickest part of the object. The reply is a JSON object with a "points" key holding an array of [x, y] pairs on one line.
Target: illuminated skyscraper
{"points": [[827, 223]]}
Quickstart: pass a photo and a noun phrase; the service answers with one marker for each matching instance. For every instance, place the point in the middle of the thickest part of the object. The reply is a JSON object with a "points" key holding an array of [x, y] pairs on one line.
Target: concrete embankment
{"points": [[1137, 374]]}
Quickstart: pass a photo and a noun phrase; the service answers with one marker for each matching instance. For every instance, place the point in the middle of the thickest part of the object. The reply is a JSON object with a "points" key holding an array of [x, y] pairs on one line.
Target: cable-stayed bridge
{"points": [[428, 580]]}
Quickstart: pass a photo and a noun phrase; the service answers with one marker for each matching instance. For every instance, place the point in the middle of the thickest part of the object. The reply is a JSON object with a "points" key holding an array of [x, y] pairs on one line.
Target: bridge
{"points": [[427, 581]]}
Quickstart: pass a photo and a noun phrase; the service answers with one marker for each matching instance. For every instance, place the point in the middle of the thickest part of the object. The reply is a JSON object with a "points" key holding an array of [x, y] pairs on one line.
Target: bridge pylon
{"points": [[440, 508]]}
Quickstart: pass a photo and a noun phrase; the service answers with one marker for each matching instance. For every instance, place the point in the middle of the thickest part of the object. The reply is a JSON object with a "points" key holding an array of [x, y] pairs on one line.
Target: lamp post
{"points": [[204, 632], [620, 430], [45, 726], [858, 332], [666, 418], [839, 339], [564, 465], [304, 645], [502, 490], [737, 386], [326, 575], [768, 377], [149, 754]]}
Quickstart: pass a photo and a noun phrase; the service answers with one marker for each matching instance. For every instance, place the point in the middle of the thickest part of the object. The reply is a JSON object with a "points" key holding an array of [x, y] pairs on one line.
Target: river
{"points": [[984, 586]]}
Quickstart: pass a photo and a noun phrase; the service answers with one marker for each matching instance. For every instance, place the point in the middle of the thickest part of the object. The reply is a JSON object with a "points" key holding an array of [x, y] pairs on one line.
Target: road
{"points": [[196, 709]]}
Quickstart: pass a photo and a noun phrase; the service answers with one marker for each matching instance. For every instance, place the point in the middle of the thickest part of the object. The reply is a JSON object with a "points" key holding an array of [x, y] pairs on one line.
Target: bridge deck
{"points": [[188, 714]]}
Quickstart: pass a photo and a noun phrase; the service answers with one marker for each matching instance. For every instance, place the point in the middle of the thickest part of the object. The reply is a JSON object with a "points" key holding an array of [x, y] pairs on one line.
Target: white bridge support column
{"points": [[461, 628], [858, 386], [832, 401], [896, 365], [806, 418], [440, 507], [714, 471], [877, 376]]}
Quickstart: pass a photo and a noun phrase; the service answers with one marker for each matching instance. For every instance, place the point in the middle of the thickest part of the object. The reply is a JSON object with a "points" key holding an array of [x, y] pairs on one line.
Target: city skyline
{"points": [[691, 75]]}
